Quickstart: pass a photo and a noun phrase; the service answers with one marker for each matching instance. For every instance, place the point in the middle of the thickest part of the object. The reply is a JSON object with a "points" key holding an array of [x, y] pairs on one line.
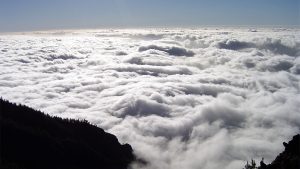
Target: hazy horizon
{"points": [[207, 27]]}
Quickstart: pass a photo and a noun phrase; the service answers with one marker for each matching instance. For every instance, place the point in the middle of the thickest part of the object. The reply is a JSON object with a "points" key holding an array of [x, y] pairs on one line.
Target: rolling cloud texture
{"points": [[183, 98]]}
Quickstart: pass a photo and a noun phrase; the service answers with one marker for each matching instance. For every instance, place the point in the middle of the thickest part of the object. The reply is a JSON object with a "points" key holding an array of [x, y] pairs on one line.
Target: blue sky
{"points": [[21, 15]]}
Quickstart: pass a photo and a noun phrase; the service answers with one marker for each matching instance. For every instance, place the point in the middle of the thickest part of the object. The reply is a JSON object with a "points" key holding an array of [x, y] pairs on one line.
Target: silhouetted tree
{"points": [[252, 165]]}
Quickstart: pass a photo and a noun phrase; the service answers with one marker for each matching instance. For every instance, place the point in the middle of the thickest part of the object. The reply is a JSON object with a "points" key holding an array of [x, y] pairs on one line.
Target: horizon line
{"points": [[296, 26]]}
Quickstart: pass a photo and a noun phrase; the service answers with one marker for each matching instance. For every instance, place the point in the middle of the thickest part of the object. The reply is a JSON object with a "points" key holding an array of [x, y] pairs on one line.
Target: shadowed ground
{"points": [[33, 140]]}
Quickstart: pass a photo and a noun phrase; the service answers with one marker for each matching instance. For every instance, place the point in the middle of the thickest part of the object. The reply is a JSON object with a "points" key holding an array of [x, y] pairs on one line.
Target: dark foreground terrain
{"points": [[288, 159], [33, 140]]}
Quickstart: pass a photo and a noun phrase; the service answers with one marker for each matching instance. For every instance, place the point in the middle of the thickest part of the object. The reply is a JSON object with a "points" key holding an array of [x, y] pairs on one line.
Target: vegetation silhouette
{"points": [[31, 139]]}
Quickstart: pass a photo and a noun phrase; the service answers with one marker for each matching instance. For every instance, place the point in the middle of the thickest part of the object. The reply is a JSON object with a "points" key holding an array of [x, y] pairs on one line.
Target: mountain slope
{"points": [[33, 140], [289, 158]]}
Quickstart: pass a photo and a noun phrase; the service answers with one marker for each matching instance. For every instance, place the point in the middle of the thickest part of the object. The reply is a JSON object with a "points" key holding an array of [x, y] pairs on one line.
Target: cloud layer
{"points": [[183, 98]]}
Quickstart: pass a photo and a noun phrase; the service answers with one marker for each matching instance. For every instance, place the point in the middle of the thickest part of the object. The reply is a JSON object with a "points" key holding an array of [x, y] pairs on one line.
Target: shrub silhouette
{"points": [[252, 165], [33, 140]]}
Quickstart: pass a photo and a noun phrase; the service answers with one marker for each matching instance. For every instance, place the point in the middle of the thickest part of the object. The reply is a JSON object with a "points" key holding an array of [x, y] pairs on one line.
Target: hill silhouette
{"points": [[289, 158], [31, 139]]}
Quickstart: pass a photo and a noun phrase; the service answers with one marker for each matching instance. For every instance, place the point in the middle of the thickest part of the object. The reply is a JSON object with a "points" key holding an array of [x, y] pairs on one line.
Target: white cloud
{"points": [[174, 51], [201, 98]]}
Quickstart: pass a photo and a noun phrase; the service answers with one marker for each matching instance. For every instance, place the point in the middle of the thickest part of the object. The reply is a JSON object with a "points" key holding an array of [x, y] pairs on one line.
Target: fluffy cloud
{"points": [[274, 46], [175, 51], [183, 98]]}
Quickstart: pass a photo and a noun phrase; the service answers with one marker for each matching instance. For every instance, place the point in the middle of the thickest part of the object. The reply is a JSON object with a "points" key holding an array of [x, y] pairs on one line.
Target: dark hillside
{"points": [[289, 158], [33, 140]]}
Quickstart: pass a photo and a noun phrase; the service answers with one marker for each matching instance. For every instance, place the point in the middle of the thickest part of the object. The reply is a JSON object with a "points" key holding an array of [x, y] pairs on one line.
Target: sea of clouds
{"points": [[206, 98]]}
